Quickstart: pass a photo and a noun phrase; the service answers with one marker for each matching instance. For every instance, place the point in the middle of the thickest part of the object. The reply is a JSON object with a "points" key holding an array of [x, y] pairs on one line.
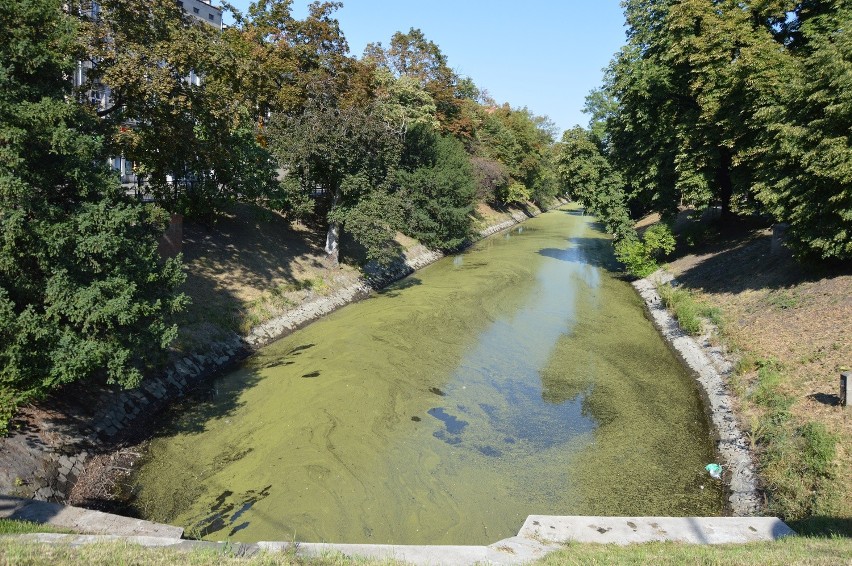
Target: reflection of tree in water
{"points": [[559, 387]]}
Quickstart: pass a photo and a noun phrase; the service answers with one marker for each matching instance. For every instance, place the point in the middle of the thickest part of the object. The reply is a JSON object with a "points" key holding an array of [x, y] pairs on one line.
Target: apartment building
{"points": [[100, 95], [203, 10]]}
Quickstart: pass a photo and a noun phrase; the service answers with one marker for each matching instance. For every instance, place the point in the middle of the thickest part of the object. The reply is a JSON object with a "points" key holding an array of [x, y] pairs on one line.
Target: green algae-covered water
{"points": [[520, 377]]}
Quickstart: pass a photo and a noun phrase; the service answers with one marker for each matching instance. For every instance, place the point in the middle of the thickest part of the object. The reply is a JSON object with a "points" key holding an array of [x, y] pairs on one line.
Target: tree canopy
{"points": [[83, 292], [272, 110], [740, 105]]}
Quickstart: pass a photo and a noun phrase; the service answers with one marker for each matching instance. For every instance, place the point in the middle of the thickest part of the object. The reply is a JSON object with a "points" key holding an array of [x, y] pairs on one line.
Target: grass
{"points": [[785, 321], [783, 300], [13, 527], [689, 312], [279, 299], [791, 550], [797, 456], [110, 553]]}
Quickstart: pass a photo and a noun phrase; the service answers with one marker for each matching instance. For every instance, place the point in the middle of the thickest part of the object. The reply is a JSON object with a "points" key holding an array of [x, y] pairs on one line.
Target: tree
{"points": [[741, 104], [343, 148], [805, 174], [521, 141], [404, 103], [412, 55], [438, 193], [175, 106], [586, 175], [725, 51], [643, 129], [83, 292]]}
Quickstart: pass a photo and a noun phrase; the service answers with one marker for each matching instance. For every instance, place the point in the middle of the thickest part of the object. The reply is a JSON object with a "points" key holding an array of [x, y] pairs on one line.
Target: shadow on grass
{"points": [[739, 258], [822, 526], [750, 265], [252, 249]]}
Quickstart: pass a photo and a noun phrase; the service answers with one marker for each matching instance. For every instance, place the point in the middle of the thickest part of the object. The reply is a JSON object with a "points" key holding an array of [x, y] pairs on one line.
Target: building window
{"points": [[195, 10], [210, 16]]}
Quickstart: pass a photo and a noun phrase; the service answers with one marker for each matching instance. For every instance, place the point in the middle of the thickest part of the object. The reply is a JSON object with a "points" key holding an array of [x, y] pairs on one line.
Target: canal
{"points": [[519, 377]]}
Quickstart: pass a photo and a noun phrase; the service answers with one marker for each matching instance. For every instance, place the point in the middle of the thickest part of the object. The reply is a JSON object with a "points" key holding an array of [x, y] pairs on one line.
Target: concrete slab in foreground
{"points": [[540, 535], [81, 520], [627, 530], [543, 534]]}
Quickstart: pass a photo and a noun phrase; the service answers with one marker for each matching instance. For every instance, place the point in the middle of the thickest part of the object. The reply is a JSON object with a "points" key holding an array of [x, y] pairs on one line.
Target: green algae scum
{"points": [[518, 378]]}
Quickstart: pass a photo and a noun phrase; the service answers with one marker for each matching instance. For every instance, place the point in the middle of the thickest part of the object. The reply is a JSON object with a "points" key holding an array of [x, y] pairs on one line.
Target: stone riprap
{"points": [[376, 278], [43, 461], [712, 371]]}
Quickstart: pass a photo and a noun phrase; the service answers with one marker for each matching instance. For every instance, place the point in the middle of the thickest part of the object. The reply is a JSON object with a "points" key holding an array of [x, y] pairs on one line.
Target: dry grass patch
{"points": [[791, 325], [249, 266]]}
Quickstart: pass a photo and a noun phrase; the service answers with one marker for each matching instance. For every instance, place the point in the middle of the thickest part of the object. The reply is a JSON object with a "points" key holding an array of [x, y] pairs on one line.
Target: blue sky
{"points": [[542, 54]]}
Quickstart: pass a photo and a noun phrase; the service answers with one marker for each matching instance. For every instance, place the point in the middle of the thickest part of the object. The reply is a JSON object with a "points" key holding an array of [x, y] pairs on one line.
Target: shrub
{"points": [[516, 193], [633, 254], [640, 257]]}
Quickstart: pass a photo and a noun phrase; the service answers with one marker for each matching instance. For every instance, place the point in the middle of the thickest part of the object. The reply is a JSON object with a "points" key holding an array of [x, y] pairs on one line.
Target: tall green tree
{"points": [[651, 100], [521, 141], [340, 148], [805, 168], [83, 292], [412, 55], [587, 177], [726, 50], [437, 190]]}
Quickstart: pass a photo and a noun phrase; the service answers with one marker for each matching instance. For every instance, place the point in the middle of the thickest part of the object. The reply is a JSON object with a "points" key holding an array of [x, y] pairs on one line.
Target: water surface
{"points": [[518, 378]]}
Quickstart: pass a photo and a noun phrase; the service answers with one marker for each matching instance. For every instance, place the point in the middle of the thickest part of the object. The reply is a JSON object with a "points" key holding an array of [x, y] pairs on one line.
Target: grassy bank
{"points": [[792, 550], [788, 326]]}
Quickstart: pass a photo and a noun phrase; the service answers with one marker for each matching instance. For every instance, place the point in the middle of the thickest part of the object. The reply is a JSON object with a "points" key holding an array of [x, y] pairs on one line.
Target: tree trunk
{"points": [[332, 238], [726, 185]]}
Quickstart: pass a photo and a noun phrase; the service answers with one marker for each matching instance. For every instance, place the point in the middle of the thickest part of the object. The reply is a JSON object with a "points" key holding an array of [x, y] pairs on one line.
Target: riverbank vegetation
{"points": [[290, 154], [742, 106], [272, 113], [781, 321]]}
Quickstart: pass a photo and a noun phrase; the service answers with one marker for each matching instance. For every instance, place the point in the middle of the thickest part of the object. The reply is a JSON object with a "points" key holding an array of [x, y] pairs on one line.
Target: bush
{"points": [[439, 196], [491, 177], [516, 193], [639, 257], [635, 257]]}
